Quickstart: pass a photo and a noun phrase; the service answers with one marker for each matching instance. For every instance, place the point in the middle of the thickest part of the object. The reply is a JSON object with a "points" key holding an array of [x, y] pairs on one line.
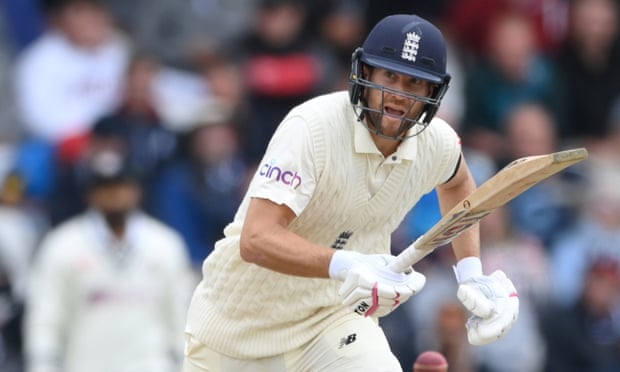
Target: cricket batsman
{"points": [[302, 275]]}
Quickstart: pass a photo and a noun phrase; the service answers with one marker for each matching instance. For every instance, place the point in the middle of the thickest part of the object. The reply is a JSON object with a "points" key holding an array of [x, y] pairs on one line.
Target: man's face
{"points": [[115, 200], [395, 107], [85, 24]]}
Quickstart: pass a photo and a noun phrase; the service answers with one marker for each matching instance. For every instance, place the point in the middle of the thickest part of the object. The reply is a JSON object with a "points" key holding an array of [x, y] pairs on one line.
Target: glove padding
{"points": [[494, 303], [371, 288]]}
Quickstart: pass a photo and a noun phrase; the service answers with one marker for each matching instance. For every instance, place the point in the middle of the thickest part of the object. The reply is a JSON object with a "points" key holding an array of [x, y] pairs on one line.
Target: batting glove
{"points": [[370, 287], [492, 300]]}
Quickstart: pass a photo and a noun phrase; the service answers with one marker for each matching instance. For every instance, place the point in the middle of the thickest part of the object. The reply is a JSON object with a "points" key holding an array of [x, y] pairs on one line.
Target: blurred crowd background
{"points": [[187, 93]]}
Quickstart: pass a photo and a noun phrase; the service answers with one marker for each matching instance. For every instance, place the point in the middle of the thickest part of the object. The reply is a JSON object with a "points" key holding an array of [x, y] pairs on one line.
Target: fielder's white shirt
{"points": [[323, 164], [100, 304]]}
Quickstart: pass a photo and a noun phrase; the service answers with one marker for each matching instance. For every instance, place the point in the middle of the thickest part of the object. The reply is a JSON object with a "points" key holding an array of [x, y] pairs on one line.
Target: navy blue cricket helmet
{"points": [[406, 44]]}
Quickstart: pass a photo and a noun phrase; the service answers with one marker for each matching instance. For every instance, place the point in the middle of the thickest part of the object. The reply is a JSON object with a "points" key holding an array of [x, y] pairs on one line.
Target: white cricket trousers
{"points": [[353, 343]]}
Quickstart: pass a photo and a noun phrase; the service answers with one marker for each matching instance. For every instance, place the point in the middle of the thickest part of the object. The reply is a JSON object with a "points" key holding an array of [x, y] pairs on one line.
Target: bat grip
{"points": [[408, 257]]}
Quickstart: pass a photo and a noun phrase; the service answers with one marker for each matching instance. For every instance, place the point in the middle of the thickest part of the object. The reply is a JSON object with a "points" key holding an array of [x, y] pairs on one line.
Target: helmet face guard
{"points": [[408, 45]]}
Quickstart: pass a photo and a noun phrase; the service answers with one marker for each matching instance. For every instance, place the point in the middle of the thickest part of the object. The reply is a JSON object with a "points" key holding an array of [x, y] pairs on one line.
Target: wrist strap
{"points": [[467, 268], [340, 263]]}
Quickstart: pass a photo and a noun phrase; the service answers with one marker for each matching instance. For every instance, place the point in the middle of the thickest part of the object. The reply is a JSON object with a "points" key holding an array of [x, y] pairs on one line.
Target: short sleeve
{"points": [[286, 174], [450, 144]]}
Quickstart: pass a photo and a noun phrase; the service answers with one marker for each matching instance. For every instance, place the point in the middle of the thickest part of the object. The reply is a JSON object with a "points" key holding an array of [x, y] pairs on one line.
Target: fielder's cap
{"points": [[108, 168]]}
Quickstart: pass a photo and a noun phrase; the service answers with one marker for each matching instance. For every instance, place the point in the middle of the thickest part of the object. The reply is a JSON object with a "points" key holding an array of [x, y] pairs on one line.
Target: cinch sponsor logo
{"points": [[269, 170]]}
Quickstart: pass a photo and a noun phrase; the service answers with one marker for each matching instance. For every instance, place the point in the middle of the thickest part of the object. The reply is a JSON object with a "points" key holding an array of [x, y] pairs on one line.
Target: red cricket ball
{"points": [[430, 361]]}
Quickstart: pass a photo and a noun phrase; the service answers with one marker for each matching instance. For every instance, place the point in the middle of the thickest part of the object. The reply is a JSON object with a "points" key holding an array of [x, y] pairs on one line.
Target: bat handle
{"points": [[408, 257]]}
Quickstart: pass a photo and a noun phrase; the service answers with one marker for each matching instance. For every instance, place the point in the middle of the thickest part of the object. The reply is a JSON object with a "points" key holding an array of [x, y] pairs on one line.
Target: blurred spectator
{"points": [[223, 76], [282, 66], [8, 128], [512, 71], [340, 26], [9, 131], [135, 129], [68, 195], [71, 75], [586, 335], [432, 10], [110, 287], [19, 233], [198, 194], [596, 233], [524, 259], [452, 106], [546, 209], [177, 31], [151, 142], [472, 20], [530, 130], [177, 93], [589, 63], [609, 146]]}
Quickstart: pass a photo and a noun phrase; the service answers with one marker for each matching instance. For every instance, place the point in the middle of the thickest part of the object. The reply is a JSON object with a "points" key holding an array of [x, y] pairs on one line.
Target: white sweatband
{"points": [[467, 268], [341, 263]]}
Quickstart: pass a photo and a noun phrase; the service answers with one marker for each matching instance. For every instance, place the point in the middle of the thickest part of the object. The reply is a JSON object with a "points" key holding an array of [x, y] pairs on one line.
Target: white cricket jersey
{"points": [[100, 304], [323, 164]]}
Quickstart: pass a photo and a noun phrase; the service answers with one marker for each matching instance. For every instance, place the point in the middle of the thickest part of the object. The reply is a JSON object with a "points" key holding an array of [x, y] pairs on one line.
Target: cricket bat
{"points": [[511, 181]]}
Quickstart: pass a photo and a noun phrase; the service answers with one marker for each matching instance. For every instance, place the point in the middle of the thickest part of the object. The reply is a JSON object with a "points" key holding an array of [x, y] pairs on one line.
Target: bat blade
{"points": [[511, 181]]}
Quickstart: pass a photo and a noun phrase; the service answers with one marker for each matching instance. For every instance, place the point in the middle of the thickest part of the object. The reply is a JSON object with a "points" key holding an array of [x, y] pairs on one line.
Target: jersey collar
{"points": [[365, 145]]}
